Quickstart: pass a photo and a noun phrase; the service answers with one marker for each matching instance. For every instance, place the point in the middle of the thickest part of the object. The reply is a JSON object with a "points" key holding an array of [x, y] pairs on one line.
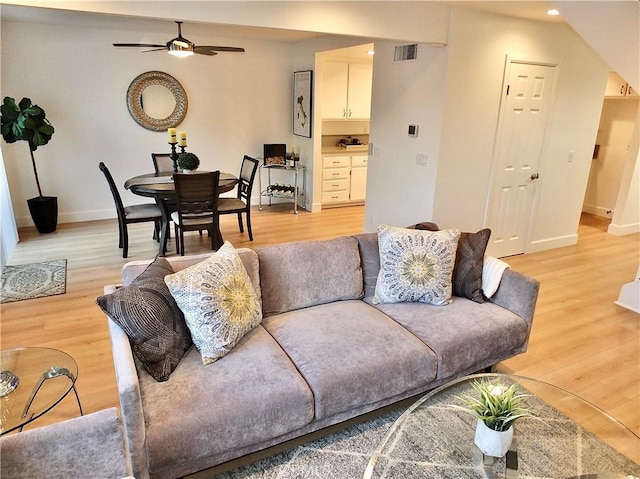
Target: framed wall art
{"points": [[302, 103]]}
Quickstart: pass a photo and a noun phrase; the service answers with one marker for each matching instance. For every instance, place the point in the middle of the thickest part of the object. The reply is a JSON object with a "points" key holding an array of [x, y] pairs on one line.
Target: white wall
{"points": [[237, 102], [617, 123], [612, 28], [627, 211], [461, 88], [400, 192]]}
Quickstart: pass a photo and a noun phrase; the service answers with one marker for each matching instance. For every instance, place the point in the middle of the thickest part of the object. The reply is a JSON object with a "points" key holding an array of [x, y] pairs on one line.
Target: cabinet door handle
{"points": [[344, 112], [349, 112], [622, 89]]}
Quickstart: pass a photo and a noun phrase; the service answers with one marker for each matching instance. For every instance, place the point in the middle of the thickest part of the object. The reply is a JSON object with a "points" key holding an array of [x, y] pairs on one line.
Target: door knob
{"points": [[535, 176]]}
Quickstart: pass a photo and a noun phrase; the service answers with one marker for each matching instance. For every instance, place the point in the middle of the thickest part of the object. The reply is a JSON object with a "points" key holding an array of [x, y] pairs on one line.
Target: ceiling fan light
{"points": [[180, 49]]}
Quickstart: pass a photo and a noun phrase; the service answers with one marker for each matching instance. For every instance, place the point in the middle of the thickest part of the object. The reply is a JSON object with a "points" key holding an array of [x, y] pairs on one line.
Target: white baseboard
{"points": [[552, 243], [621, 230], [598, 211], [75, 217]]}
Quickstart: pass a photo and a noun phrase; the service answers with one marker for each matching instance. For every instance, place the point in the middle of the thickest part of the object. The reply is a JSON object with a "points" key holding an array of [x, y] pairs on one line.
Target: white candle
{"points": [[183, 138], [172, 135]]}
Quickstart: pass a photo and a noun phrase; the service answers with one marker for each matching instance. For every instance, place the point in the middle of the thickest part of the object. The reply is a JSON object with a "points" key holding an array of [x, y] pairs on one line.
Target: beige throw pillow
{"points": [[219, 303], [415, 265]]}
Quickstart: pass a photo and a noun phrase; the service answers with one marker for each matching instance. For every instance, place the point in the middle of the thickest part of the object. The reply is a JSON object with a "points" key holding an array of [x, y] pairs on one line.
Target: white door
{"points": [[519, 147]]}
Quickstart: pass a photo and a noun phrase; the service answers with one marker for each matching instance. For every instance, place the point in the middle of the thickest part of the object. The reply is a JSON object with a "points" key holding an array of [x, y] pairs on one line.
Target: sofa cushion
{"points": [[467, 271], [218, 301], [351, 354], [415, 265], [464, 333], [249, 258], [150, 317], [370, 261], [252, 394], [301, 274]]}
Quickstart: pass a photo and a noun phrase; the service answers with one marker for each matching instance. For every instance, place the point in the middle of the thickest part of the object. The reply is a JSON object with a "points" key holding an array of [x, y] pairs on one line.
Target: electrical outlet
{"points": [[421, 160]]}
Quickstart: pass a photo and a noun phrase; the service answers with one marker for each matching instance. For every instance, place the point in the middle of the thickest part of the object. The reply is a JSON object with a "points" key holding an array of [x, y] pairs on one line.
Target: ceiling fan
{"points": [[181, 47]]}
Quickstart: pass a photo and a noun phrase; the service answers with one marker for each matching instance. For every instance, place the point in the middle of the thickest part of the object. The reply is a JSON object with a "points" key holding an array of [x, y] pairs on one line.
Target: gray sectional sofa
{"points": [[323, 354]]}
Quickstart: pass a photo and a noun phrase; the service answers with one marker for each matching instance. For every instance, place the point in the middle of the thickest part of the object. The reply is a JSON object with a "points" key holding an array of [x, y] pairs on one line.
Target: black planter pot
{"points": [[44, 212]]}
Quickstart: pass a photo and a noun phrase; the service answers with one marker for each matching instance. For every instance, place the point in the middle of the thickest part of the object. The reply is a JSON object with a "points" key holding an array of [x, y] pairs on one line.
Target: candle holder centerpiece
{"points": [[173, 141]]}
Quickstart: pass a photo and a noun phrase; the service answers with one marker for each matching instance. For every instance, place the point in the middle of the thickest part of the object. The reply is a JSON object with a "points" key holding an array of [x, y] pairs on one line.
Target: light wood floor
{"points": [[581, 340]]}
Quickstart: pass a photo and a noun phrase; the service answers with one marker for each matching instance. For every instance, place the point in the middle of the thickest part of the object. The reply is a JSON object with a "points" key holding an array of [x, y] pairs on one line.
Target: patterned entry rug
{"points": [[34, 280]]}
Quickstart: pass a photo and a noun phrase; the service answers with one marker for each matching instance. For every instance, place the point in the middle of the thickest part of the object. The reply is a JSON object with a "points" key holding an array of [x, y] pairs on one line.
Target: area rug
{"points": [[35, 280], [346, 454], [342, 455]]}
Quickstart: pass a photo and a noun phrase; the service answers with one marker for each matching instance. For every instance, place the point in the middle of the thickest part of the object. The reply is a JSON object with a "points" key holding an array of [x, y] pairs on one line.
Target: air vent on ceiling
{"points": [[406, 52]]}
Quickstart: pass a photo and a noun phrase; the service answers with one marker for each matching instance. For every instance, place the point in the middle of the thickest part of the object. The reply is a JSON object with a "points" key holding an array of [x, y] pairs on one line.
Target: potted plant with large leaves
{"points": [[28, 122]]}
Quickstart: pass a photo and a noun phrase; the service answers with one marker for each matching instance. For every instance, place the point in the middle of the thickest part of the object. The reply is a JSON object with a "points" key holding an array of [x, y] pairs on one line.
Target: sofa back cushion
{"points": [[370, 257], [302, 274], [249, 258]]}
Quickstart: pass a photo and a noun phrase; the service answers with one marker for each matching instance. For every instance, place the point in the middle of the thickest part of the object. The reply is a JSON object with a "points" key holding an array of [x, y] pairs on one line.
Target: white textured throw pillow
{"points": [[219, 303], [415, 265]]}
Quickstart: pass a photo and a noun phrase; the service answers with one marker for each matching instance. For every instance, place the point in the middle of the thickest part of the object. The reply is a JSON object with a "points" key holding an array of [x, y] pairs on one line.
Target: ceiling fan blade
{"points": [[155, 50], [204, 52], [219, 49], [143, 45]]}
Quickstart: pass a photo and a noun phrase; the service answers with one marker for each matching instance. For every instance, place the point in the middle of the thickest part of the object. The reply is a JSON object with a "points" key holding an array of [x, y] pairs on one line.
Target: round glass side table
{"points": [[34, 380]]}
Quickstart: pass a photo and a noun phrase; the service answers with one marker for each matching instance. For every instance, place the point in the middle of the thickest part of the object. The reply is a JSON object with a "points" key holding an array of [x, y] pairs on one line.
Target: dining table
{"points": [[161, 188]]}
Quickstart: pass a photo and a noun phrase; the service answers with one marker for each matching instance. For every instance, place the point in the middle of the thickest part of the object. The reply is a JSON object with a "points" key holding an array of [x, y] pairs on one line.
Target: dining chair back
{"points": [[139, 213], [162, 162], [197, 197], [242, 203]]}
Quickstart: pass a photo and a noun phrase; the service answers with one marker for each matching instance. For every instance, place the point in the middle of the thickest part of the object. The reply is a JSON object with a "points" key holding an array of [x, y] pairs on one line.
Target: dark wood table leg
{"points": [[164, 228]]}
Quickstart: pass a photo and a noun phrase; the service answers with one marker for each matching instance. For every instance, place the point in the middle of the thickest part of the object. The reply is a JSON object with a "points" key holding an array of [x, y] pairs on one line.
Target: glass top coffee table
{"points": [[34, 380], [434, 440]]}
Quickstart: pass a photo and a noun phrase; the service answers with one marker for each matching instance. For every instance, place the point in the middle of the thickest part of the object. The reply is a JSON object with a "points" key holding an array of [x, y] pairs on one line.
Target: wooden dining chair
{"points": [[242, 203], [197, 197], [139, 213], [162, 162]]}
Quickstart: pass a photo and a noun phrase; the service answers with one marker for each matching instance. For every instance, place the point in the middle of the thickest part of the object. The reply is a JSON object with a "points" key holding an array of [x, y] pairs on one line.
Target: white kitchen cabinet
{"points": [[358, 185], [618, 88], [346, 91], [344, 179]]}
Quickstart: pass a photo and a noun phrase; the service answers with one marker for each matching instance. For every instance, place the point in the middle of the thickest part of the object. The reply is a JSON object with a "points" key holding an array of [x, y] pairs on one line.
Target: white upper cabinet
{"points": [[346, 91], [618, 88]]}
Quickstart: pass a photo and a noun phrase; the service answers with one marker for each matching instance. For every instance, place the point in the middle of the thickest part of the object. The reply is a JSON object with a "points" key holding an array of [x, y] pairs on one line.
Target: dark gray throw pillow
{"points": [[150, 317], [467, 272]]}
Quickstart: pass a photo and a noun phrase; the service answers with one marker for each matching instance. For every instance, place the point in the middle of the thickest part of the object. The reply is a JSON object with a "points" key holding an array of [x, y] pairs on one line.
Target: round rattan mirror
{"points": [[143, 114]]}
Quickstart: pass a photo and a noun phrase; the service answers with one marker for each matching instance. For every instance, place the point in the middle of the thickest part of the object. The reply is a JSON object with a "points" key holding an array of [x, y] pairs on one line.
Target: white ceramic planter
{"points": [[492, 443]]}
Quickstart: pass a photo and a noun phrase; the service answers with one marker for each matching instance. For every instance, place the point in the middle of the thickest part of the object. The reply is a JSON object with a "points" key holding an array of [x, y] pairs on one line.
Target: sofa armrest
{"points": [[130, 399], [518, 293], [87, 446]]}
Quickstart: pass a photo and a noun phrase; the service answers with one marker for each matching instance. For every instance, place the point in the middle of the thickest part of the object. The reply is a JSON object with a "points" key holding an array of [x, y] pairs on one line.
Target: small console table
{"points": [[274, 190]]}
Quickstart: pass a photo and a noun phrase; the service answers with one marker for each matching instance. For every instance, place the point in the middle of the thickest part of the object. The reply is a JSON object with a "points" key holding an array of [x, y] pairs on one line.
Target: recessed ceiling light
{"points": [[371, 52], [553, 11]]}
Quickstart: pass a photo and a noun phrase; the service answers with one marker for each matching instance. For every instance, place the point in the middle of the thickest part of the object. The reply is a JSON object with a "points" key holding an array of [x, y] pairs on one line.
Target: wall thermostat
{"points": [[413, 130]]}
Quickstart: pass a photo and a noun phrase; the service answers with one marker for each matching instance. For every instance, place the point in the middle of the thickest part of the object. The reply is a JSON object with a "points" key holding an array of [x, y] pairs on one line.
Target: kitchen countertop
{"points": [[336, 150]]}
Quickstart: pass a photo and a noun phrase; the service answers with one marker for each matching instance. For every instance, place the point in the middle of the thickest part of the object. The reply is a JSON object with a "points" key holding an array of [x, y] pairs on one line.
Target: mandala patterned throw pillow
{"points": [[219, 303], [415, 265]]}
